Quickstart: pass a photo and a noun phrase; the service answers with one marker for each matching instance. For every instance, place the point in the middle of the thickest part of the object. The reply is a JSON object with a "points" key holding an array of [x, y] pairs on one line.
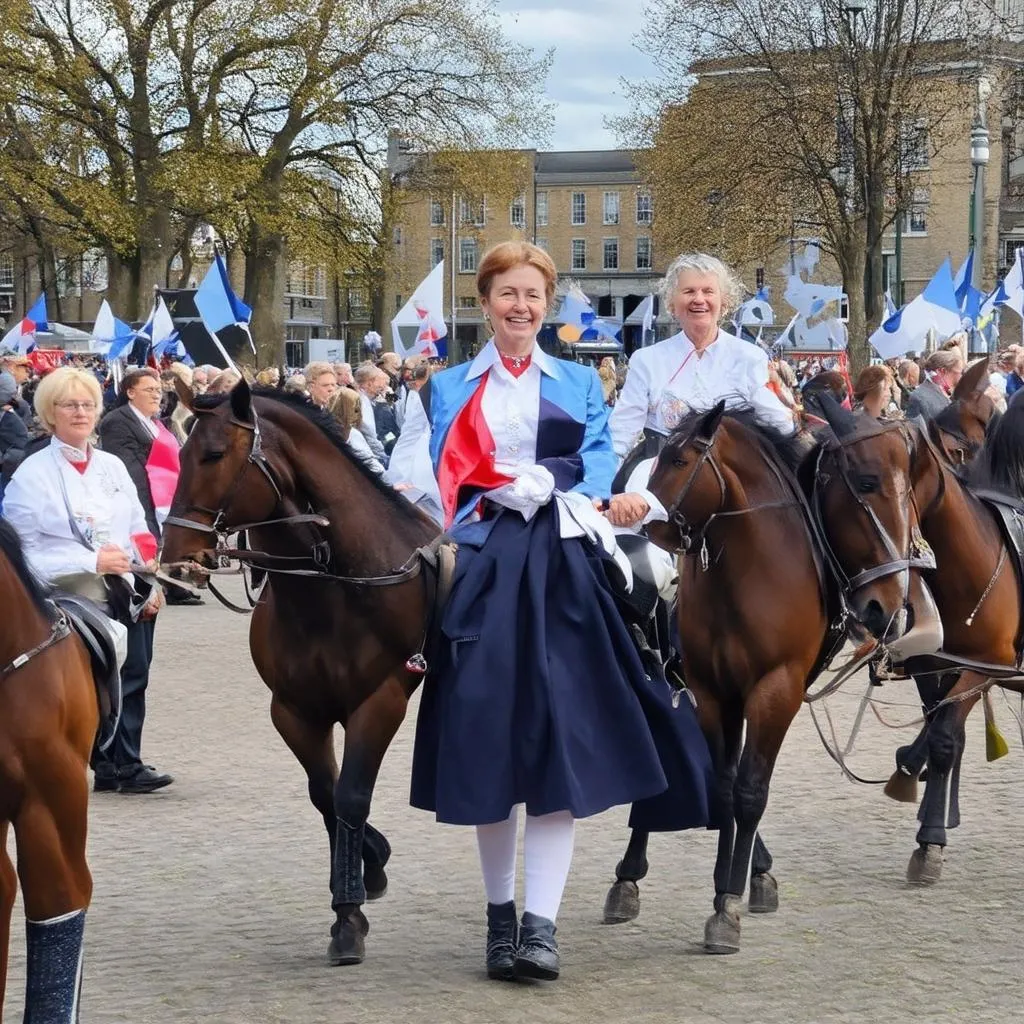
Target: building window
{"points": [[643, 253], [358, 305], [611, 208], [397, 235], [541, 211], [467, 302], [916, 221], [517, 212], [579, 254], [1010, 247], [542, 243], [467, 255], [611, 254], [914, 152], [398, 303], [436, 213], [471, 211], [436, 251], [6, 270], [643, 208], [579, 207]]}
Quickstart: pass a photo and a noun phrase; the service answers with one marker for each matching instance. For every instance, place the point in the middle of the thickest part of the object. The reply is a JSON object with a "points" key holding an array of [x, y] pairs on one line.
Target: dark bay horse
{"points": [[49, 714], [342, 614], [977, 590], [737, 518]]}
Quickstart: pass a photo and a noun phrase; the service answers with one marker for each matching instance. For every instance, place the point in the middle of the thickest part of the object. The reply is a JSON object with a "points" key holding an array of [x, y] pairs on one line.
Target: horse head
{"points": [[959, 430], [688, 481], [864, 502], [225, 482]]}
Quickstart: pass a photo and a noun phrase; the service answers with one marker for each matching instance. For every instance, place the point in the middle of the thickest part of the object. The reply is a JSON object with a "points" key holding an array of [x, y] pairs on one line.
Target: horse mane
{"points": [[328, 426], [10, 547], [999, 466], [791, 450]]}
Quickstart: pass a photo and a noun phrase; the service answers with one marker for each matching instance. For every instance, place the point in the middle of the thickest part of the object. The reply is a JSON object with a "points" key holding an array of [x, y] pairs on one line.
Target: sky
{"points": [[593, 42]]}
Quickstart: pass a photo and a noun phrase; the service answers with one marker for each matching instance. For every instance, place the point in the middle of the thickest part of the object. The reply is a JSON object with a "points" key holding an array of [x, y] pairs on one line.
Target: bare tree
{"points": [[818, 113]]}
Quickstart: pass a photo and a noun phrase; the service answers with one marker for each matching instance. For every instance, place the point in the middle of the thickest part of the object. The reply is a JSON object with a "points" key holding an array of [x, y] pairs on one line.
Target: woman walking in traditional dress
{"points": [[536, 695]]}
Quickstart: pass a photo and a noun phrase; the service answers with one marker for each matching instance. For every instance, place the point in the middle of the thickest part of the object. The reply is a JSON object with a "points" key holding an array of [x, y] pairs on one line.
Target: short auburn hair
{"points": [[504, 256], [871, 378]]}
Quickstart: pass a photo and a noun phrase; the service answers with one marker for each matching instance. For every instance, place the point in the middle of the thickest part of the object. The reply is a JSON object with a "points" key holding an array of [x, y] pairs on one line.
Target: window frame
{"points": [[605, 243], [611, 219], [582, 196], [465, 245], [648, 244], [540, 208], [644, 207], [582, 242]]}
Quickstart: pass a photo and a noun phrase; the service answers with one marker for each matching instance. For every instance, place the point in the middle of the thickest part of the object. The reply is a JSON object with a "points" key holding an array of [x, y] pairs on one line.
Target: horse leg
{"points": [[925, 867], [368, 733], [912, 758], [8, 889], [721, 931], [764, 890], [50, 828], [623, 901], [769, 713], [313, 747]]}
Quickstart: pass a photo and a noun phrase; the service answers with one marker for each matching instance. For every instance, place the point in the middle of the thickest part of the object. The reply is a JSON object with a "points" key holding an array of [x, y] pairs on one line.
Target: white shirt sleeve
{"points": [[629, 416], [358, 444], [48, 549], [410, 458]]}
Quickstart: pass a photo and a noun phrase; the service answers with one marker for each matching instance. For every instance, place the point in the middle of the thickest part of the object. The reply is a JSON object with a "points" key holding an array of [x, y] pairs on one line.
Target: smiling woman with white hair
{"points": [[693, 369]]}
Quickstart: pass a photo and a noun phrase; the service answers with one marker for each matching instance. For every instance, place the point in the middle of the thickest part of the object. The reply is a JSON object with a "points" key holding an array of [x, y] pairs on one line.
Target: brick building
{"points": [[589, 210]]}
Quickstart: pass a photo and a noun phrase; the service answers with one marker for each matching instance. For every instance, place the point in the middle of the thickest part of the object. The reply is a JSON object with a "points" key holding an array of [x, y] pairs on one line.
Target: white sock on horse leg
{"points": [[547, 855], [497, 846]]}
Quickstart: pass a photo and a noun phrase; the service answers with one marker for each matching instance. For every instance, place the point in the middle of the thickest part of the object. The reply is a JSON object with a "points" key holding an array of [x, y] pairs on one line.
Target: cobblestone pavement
{"points": [[212, 905]]}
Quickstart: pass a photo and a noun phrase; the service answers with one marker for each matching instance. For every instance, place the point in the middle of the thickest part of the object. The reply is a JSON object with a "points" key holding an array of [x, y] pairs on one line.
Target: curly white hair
{"points": [[700, 262]]}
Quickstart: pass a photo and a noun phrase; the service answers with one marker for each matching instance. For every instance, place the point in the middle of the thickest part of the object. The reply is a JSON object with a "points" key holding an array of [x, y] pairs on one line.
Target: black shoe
{"points": [[537, 956], [104, 782], [145, 780], [183, 597], [501, 941]]}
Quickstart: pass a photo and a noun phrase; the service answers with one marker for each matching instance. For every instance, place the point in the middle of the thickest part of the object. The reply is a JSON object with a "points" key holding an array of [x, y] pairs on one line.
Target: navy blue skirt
{"points": [[536, 694]]}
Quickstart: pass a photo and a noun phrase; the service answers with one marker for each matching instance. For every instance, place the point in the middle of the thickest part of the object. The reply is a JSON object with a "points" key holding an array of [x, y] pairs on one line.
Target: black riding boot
{"points": [[502, 929], [538, 951]]}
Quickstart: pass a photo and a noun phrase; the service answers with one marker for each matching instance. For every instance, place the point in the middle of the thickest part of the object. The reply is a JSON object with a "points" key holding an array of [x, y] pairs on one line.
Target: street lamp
{"points": [[979, 161]]}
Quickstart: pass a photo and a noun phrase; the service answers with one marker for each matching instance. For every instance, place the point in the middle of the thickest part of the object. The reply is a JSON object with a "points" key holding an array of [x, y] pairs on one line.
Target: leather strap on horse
{"points": [[60, 630]]}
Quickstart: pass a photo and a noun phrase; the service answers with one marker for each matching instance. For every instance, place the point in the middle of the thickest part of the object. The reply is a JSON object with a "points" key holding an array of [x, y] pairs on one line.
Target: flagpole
{"points": [[451, 278]]}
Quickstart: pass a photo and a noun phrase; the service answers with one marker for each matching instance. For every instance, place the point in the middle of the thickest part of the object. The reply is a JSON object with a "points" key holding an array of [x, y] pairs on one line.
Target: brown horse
{"points": [[342, 617], [737, 517], [977, 590], [47, 728]]}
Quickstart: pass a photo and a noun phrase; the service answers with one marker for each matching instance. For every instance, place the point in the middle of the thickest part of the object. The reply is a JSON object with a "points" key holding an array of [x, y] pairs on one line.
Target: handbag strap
{"points": [[76, 530]]}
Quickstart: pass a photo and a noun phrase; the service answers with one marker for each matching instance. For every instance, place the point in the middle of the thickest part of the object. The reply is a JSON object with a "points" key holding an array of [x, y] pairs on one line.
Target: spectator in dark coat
{"points": [[943, 370], [13, 432]]}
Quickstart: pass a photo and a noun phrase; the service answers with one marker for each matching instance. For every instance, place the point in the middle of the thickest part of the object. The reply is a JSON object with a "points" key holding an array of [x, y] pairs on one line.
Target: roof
{"points": [[582, 166]]}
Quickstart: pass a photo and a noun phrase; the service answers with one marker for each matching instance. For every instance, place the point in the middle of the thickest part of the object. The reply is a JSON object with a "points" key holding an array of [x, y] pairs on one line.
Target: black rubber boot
{"points": [[538, 951], [502, 933]]}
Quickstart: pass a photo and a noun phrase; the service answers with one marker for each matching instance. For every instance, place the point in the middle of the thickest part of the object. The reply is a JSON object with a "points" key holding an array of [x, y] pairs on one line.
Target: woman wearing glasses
{"points": [[78, 513]]}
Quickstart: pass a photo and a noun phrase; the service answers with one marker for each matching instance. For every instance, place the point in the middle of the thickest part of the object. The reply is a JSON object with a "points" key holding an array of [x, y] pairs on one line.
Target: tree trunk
{"points": [[852, 262], [874, 285], [122, 283], [265, 272]]}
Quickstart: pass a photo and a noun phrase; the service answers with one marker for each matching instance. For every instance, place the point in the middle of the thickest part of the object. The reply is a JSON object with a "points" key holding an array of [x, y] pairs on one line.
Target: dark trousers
{"points": [[124, 751]]}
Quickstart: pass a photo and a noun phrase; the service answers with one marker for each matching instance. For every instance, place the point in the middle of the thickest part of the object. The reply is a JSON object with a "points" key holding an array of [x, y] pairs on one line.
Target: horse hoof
{"points": [[764, 894], [623, 902], [375, 881], [925, 867], [348, 941], [901, 787], [722, 932]]}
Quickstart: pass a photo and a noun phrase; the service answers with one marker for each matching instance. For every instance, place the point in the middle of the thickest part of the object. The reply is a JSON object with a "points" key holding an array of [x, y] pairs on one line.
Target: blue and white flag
{"points": [[111, 336], [936, 308], [220, 307], [160, 332], [1011, 288]]}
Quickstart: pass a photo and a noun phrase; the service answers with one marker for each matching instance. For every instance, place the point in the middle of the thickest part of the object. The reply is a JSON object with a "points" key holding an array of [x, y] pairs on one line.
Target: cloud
{"points": [[593, 49]]}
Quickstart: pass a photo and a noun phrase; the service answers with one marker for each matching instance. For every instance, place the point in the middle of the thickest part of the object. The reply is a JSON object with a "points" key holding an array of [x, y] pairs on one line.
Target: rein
{"points": [[59, 630]]}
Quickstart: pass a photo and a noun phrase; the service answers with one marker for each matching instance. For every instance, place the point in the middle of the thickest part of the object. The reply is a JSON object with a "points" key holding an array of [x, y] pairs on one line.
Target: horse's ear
{"points": [[710, 423], [184, 393], [241, 401], [842, 421], [975, 379]]}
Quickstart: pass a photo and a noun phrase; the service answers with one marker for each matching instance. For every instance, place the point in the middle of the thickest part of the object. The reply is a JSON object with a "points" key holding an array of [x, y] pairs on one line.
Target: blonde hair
{"points": [[315, 370], [504, 256], [701, 263], [224, 381], [56, 386], [268, 377], [346, 408]]}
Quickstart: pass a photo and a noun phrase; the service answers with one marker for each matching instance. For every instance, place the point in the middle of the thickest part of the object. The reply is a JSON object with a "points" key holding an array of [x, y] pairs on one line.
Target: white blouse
{"points": [[667, 380], [103, 503]]}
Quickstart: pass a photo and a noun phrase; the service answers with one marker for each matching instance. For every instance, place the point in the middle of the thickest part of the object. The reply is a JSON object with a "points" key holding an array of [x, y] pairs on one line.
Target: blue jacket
{"points": [[573, 439]]}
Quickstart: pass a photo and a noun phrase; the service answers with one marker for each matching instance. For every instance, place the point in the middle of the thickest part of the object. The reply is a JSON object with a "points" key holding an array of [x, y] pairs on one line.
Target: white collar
{"points": [[688, 345], [56, 442], [489, 356]]}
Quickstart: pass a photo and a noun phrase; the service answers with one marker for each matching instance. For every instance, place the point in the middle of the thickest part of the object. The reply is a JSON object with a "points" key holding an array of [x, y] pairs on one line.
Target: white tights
{"points": [[547, 855]]}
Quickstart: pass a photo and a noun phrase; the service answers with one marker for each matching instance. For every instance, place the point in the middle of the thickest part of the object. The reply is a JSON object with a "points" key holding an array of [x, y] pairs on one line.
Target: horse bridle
{"points": [[918, 556], [318, 561], [689, 533]]}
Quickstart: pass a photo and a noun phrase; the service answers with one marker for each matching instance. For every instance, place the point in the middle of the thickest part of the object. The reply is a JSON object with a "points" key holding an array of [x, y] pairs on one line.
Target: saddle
{"points": [[1009, 514], [106, 641]]}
